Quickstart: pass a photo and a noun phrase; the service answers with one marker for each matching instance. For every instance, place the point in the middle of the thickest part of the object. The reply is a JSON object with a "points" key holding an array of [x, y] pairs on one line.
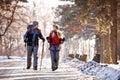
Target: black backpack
{"points": [[29, 27]]}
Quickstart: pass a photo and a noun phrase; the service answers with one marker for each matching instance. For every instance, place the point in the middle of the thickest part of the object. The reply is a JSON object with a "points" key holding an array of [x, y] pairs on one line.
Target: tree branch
{"points": [[12, 18]]}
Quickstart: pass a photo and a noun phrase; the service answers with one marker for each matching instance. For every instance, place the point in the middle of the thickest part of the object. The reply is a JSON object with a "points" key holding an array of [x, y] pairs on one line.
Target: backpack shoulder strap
{"points": [[39, 31]]}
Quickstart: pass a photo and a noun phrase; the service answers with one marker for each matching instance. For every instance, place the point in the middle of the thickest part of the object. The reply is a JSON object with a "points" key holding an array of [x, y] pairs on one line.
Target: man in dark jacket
{"points": [[55, 39], [31, 37]]}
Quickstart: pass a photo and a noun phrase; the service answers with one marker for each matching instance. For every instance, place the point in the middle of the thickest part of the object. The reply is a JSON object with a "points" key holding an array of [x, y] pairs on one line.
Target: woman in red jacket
{"points": [[55, 39]]}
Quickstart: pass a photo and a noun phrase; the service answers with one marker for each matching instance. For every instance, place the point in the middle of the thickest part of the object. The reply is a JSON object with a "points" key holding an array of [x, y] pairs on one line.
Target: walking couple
{"points": [[31, 38]]}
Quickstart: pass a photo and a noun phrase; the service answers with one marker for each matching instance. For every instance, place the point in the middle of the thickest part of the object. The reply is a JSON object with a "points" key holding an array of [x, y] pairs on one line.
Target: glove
{"points": [[63, 39], [25, 41], [48, 39], [43, 40]]}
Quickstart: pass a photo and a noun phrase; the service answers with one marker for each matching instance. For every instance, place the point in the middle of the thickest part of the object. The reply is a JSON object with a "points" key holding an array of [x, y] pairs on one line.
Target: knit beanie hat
{"points": [[35, 23]]}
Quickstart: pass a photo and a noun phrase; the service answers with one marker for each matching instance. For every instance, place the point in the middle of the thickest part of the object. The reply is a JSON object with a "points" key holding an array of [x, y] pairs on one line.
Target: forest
{"points": [[91, 27], [89, 24]]}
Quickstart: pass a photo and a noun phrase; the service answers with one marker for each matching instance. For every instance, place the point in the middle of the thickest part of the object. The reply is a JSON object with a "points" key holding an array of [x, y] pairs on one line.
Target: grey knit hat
{"points": [[35, 23]]}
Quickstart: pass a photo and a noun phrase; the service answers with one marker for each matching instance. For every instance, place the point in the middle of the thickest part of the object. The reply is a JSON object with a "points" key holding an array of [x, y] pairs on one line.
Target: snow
{"points": [[10, 69], [94, 69], [12, 58], [88, 69]]}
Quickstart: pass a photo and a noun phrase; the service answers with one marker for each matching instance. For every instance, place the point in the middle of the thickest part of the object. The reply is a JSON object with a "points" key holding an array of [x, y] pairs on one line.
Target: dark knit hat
{"points": [[35, 23]]}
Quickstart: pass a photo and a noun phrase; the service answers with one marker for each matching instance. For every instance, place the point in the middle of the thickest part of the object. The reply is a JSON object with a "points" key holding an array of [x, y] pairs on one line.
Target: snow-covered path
{"points": [[15, 70]]}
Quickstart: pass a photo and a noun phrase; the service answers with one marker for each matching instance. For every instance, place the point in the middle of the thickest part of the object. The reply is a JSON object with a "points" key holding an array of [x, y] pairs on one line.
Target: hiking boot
{"points": [[56, 64], [35, 68], [53, 69], [28, 67], [56, 67]]}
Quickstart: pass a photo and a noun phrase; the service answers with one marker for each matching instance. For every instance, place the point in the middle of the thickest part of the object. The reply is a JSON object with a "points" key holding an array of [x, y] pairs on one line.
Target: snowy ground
{"points": [[14, 69], [93, 69]]}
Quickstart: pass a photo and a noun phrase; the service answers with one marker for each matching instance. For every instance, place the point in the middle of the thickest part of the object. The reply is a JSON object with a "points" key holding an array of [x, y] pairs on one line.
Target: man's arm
{"points": [[41, 36]]}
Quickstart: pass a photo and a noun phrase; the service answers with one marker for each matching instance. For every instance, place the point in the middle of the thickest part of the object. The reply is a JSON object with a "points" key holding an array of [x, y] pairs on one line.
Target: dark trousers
{"points": [[54, 58], [31, 50]]}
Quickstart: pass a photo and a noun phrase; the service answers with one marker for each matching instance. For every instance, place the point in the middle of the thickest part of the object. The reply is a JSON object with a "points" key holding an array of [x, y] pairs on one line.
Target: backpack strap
{"points": [[39, 31], [34, 36]]}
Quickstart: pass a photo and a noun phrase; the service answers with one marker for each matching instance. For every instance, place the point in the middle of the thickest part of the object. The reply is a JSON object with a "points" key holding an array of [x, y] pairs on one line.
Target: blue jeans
{"points": [[54, 58]]}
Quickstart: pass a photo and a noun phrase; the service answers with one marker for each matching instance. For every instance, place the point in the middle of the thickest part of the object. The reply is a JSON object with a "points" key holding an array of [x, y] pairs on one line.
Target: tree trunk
{"points": [[113, 33]]}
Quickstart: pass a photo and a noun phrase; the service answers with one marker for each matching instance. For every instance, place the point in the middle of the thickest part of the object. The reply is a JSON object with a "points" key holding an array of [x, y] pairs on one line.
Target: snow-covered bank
{"points": [[12, 58], [94, 69]]}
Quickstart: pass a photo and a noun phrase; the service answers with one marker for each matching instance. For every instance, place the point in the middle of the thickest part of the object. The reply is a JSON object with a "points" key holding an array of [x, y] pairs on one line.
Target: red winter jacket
{"points": [[55, 39]]}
